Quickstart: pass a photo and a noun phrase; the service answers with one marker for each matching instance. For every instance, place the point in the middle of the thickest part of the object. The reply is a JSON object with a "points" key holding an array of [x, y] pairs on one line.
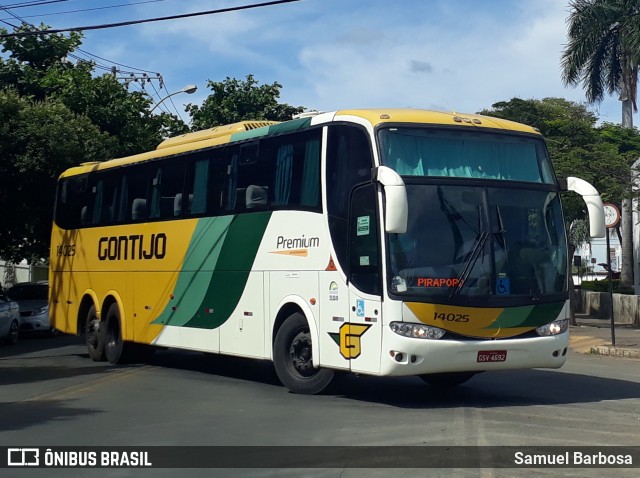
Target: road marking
{"points": [[84, 387]]}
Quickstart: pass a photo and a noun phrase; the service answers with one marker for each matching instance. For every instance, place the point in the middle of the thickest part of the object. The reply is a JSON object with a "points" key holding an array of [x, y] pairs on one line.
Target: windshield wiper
{"points": [[472, 258], [501, 234]]}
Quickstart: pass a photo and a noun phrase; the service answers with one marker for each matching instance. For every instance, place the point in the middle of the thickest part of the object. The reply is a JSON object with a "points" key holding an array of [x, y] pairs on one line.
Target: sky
{"points": [[446, 55]]}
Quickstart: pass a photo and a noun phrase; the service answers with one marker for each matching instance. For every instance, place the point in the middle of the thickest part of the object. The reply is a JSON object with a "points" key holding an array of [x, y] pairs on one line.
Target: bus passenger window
{"points": [[205, 178], [248, 179], [296, 159], [133, 194], [72, 210], [167, 183]]}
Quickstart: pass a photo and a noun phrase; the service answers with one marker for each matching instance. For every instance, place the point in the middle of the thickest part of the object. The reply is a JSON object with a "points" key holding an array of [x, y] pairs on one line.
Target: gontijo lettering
{"points": [[133, 247]]}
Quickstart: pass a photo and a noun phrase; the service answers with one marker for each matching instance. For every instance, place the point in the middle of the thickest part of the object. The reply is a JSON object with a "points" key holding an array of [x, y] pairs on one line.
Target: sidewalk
{"points": [[593, 335]]}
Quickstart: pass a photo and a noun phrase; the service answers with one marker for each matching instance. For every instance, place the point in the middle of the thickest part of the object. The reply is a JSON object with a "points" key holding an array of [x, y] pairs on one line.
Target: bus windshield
{"points": [[423, 151], [468, 241]]}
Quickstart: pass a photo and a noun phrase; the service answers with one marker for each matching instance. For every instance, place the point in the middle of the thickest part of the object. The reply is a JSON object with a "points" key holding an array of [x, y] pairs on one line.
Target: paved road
{"points": [[51, 393]]}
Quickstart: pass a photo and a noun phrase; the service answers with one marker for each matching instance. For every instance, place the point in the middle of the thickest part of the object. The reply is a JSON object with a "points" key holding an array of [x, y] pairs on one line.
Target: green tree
{"points": [[38, 140], [56, 113], [234, 100], [603, 53], [39, 66], [600, 155]]}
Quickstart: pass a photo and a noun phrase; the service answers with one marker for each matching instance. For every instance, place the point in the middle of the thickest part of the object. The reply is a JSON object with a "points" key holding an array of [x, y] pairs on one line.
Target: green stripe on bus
{"points": [[527, 316], [215, 270], [229, 278], [195, 277], [281, 128]]}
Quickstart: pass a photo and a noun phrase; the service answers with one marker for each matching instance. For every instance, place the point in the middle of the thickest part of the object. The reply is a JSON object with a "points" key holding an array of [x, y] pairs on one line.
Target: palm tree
{"points": [[603, 53]]}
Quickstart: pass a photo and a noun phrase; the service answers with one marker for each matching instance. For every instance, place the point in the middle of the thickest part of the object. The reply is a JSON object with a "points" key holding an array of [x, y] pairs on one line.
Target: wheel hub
{"points": [[301, 356]]}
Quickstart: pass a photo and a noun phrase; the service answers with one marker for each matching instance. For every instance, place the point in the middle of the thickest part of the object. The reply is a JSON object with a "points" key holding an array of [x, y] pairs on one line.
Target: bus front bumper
{"points": [[411, 356]]}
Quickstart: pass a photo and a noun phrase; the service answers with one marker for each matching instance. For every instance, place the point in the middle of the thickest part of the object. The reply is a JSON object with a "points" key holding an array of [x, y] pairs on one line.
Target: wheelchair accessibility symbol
{"points": [[503, 286], [359, 308]]}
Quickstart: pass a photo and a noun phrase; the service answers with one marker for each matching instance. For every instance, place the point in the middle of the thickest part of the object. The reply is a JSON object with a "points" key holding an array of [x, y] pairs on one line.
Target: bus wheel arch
{"points": [[293, 347]]}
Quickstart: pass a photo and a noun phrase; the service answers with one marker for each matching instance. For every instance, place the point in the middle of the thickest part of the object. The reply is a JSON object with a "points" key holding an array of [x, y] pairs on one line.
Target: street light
{"points": [[189, 89]]}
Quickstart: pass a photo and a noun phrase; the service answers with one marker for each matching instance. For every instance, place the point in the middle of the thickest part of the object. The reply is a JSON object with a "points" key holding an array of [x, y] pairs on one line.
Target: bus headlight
{"points": [[554, 328], [417, 331]]}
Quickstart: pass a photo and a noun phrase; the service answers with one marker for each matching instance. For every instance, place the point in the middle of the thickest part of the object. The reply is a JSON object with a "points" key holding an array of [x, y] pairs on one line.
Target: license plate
{"points": [[492, 356]]}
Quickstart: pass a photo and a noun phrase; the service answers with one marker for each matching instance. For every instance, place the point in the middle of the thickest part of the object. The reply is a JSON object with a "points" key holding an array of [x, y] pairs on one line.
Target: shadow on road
{"points": [[485, 390], [259, 371], [36, 343], [46, 359], [21, 415], [490, 389]]}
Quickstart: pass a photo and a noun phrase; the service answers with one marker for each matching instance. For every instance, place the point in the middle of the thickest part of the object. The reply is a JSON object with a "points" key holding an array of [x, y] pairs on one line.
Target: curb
{"points": [[615, 351]]}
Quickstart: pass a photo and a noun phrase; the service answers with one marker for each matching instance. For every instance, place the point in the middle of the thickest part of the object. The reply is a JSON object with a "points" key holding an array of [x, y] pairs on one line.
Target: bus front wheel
{"points": [[292, 358], [93, 335], [447, 380]]}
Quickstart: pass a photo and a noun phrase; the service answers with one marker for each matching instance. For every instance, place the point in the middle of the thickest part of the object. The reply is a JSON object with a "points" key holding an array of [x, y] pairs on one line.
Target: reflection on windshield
{"points": [[470, 241], [415, 151]]}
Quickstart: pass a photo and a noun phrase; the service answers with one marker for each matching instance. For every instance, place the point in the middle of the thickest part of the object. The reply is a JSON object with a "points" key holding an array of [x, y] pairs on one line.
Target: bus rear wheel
{"points": [[115, 349], [447, 380], [93, 335], [292, 357]]}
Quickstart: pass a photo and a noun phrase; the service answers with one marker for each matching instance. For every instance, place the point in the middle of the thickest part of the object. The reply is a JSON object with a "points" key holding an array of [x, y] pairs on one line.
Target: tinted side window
{"points": [[134, 186], [349, 163], [71, 203], [103, 197], [296, 160], [205, 181], [167, 181], [248, 179]]}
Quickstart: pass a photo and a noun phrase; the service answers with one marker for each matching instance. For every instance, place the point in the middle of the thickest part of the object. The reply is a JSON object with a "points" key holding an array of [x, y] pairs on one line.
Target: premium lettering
{"points": [[297, 243], [132, 247]]}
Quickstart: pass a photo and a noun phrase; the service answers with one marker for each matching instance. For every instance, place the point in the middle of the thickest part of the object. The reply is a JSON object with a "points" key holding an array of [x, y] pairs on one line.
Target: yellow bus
{"points": [[382, 241]]}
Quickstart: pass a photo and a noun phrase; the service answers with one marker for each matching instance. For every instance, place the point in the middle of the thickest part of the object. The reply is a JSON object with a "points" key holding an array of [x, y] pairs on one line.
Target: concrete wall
{"points": [[25, 273], [626, 308]]}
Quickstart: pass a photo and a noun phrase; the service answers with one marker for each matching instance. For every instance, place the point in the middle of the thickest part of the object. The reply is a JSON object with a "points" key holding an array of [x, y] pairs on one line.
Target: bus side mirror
{"points": [[591, 197], [396, 205]]}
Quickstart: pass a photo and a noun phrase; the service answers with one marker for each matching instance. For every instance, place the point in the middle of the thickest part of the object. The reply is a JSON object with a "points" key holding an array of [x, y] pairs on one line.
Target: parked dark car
{"points": [[33, 299]]}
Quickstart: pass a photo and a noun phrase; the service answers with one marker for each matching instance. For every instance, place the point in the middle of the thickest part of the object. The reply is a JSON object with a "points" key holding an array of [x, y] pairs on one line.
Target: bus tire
{"points": [[448, 379], [115, 349], [292, 358], [94, 335]]}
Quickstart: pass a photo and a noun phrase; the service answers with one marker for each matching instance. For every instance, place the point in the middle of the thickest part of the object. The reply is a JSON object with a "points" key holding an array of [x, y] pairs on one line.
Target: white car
{"points": [[33, 300], [9, 319]]}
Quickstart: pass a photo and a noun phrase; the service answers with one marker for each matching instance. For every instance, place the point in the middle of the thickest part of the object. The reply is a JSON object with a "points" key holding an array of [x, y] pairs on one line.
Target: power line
{"points": [[148, 20], [33, 4], [87, 9], [115, 62], [134, 77]]}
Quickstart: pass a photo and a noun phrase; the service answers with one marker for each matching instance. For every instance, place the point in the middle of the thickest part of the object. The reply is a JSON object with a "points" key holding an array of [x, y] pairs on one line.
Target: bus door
{"points": [[362, 341]]}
